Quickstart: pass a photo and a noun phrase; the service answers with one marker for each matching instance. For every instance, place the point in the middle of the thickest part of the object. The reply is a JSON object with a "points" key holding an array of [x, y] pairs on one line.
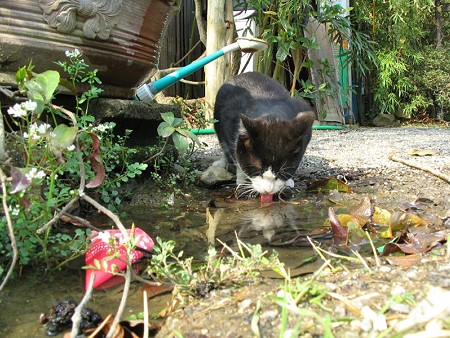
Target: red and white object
{"points": [[101, 248]]}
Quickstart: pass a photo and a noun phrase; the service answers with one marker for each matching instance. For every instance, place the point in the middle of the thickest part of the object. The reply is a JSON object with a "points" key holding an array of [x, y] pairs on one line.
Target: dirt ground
{"points": [[393, 298]]}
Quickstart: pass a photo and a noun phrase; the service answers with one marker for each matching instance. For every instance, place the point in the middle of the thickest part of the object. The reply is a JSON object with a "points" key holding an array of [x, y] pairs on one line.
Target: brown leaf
{"points": [[404, 261], [157, 289], [95, 159], [364, 210], [339, 232], [416, 242]]}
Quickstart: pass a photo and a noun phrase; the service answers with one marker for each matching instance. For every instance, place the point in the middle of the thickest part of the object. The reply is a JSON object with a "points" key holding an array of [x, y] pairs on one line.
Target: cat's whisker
{"points": [[246, 190]]}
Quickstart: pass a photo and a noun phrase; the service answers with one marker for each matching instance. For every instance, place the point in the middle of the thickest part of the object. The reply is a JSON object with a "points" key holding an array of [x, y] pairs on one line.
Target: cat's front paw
{"points": [[222, 162], [289, 183]]}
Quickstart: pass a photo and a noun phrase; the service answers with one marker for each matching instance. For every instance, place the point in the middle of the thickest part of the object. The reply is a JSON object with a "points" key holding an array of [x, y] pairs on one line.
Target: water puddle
{"points": [[193, 225]]}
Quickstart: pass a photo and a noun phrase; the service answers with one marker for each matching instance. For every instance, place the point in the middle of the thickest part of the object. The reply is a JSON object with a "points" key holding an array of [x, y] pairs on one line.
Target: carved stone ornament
{"points": [[99, 16]]}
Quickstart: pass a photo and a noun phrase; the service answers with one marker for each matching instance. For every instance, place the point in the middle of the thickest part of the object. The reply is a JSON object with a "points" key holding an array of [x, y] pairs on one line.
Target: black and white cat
{"points": [[263, 132]]}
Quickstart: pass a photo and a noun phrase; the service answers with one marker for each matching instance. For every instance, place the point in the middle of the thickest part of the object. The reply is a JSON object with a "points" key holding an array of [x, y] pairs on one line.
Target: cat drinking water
{"points": [[263, 132]]}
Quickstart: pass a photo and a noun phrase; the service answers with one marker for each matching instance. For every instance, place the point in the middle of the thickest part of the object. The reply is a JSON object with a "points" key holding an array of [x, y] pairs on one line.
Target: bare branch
{"points": [[123, 301], [10, 231], [436, 173], [200, 23], [76, 318]]}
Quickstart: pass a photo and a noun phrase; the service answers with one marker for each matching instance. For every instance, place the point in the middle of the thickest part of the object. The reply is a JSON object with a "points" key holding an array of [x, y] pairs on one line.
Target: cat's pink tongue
{"points": [[266, 198]]}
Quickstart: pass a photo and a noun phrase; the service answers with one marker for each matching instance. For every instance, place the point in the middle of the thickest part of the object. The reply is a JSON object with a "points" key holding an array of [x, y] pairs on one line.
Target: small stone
{"points": [[398, 290], [401, 308], [331, 286], [214, 176], [385, 268]]}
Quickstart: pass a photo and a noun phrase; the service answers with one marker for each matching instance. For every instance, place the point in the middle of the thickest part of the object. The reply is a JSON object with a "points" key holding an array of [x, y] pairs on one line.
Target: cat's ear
{"points": [[245, 128], [304, 121], [245, 122]]}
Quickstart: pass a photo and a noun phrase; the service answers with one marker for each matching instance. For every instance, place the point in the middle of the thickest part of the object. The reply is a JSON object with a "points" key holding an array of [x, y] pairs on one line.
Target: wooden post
{"points": [[329, 108], [219, 30]]}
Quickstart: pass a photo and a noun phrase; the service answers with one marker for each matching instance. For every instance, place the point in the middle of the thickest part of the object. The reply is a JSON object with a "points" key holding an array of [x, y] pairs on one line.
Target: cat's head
{"points": [[269, 150]]}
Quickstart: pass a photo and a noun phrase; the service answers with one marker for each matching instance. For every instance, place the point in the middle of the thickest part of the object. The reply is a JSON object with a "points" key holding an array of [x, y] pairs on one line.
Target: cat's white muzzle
{"points": [[267, 183]]}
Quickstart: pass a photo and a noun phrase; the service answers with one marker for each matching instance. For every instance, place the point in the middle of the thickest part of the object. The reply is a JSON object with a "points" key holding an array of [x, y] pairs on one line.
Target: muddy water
{"points": [[278, 226]]}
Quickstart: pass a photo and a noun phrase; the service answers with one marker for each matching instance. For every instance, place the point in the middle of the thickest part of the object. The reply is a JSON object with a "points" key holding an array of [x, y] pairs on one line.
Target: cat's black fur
{"points": [[261, 128]]}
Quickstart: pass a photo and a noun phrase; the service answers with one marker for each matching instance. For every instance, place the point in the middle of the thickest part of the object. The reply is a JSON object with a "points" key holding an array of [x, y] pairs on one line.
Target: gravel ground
{"points": [[363, 147], [361, 156], [390, 300]]}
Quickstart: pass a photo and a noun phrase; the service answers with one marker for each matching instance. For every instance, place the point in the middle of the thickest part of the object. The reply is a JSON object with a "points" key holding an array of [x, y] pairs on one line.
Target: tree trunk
{"points": [[220, 28]]}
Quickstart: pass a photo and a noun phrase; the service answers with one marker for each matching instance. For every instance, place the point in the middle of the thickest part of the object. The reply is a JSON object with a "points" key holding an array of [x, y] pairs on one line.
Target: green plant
{"points": [[173, 128], [52, 177], [284, 25], [405, 35], [432, 80], [217, 271]]}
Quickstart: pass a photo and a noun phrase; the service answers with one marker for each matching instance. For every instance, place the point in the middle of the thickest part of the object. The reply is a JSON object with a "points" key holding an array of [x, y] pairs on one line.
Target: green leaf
{"points": [[168, 117], [165, 129], [62, 137], [177, 121], [180, 142], [44, 83], [189, 134]]}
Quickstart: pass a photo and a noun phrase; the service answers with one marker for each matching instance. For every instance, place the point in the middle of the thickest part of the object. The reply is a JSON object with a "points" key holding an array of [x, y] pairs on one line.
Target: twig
{"points": [[108, 213], [76, 318], [436, 173], [82, 221], [101, 326], [58, 216], [67, 112], [123, 301], [374, 250], [159, 152], [7, 92], [316, 274], [352, 307], [145, 301], [10, 231]]}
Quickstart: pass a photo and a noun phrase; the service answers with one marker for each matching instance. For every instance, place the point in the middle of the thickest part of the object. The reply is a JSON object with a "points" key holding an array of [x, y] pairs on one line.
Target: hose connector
{"points": [[144, 93]]}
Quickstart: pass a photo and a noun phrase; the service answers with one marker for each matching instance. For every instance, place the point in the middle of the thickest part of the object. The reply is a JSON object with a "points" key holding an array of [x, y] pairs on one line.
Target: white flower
{"points": [[20, 110], [15, 211], [104, 236], [17, 111], [103, 127], [35, 130], [29, 105], [73, 53], [34, 173], [42, 128], [71, 147]]}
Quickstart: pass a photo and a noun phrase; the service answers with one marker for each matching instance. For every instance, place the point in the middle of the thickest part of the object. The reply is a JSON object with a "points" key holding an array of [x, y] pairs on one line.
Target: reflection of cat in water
{"points": [[263, 132], [269, 220]]}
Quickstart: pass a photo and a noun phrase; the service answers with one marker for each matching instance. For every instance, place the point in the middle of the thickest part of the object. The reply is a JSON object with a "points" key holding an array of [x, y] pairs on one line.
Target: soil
{"points": [[395, 297]]}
